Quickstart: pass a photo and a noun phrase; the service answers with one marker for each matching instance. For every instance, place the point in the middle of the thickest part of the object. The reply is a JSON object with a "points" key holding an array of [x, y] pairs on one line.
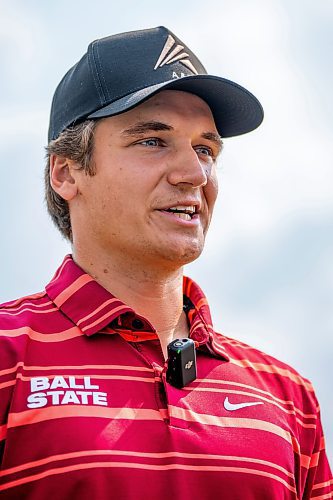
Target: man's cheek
{"points": [[211, 191]]}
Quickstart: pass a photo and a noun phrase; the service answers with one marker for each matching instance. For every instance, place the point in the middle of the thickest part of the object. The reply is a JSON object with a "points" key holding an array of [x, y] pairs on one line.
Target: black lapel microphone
{"points": [[182, 365]]}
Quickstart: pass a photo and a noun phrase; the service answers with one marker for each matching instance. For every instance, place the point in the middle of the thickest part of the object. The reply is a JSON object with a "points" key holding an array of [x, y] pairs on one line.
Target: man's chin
{"points": [[184, 255]]}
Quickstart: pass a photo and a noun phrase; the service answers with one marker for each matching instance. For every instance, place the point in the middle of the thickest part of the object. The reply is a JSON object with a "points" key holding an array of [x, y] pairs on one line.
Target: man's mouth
{"points": [[183, 212]]}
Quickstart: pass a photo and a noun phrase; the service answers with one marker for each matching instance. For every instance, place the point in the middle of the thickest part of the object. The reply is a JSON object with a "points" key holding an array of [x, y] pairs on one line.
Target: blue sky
{"points": [[267, 267]]}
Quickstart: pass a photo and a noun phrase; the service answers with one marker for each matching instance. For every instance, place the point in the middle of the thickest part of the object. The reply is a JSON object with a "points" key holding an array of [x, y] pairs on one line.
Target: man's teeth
{"points": [[183, 212], [179, 208], [183, 216]]}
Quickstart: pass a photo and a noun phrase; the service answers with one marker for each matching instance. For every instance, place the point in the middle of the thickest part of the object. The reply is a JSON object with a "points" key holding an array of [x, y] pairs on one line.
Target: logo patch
{"points": [[173, 52], [232, 406], [59, 391]]}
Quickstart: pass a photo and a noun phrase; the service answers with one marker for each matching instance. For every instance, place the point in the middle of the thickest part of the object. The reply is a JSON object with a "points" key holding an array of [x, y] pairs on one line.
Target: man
{"points": [[94, 402]]}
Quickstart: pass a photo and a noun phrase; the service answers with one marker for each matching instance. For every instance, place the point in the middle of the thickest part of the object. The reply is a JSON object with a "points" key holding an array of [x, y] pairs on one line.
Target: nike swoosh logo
{"points": [[232, 407]]}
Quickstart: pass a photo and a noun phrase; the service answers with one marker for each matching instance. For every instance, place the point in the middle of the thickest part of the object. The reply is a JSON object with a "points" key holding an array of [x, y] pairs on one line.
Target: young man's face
{"points": [[151, 161]]}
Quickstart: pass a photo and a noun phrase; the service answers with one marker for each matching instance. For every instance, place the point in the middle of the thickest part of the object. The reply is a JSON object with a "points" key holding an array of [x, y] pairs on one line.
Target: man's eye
{"points": [[151, 142], [205, 150]]}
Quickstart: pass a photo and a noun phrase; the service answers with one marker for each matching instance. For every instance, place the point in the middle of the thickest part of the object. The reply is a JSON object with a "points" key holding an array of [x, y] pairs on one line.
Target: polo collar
{"points": [[93, 309]]}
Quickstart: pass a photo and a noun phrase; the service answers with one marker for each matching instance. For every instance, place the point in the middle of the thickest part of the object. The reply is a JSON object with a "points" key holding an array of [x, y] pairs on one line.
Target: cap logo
{"points": [[173, 52]]}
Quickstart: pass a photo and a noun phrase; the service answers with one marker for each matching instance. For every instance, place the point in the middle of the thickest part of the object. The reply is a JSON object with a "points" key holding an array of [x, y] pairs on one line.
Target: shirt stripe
{"points": [[131, 465]]}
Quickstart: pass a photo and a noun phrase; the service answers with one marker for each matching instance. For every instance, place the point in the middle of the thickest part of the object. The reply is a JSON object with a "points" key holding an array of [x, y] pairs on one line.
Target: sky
{"points": [[267, 266]]}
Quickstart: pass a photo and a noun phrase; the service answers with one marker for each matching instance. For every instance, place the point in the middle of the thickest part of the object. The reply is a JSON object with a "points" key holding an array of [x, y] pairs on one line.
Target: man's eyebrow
{"points": [[216, 138], [155, 126], [143, 127]]}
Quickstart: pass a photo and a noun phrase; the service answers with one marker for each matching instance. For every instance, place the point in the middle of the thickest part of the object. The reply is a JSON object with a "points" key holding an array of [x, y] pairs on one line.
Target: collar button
{"points": [[137, 324]]}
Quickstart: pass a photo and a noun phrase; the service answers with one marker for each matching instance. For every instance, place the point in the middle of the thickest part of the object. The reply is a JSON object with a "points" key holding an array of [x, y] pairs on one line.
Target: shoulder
{"points": [[272, 374], [34, 297], [16, 311], [17, 319]]}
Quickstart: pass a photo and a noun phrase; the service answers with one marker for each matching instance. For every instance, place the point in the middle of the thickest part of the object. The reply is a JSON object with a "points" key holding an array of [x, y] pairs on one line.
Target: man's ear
{"points": [[61, 176]]}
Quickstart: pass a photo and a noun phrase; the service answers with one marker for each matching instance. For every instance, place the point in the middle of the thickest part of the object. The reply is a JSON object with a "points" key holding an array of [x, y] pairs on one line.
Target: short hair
{"points": [[75, 143]]}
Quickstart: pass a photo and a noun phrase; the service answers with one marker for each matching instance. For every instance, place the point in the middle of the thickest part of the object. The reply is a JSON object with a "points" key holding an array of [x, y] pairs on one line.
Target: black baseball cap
{"points": [[121, 71]]}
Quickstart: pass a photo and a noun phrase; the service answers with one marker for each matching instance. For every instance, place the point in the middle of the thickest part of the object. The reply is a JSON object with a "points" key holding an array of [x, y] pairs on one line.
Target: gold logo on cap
{"points": [[173, 52]]}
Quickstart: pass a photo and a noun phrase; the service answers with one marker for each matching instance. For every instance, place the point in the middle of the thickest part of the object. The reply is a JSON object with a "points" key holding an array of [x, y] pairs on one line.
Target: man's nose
{"points": [[187, 168]]}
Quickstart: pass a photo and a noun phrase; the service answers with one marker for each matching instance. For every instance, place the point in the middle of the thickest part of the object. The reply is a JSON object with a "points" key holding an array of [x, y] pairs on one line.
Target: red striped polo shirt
{"points": [[86, 412]]}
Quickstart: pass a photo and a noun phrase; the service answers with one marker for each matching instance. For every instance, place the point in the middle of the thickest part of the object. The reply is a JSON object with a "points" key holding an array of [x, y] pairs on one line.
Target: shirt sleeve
{"points": [[319, 484]]}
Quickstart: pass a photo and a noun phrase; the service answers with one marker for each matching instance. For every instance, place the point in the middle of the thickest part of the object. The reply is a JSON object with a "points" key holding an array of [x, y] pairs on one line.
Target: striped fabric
{"points": [[86, 412]]}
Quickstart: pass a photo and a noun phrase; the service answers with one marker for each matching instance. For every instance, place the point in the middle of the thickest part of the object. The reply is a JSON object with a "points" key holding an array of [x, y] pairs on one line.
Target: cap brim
{"points": [[236, 111]]}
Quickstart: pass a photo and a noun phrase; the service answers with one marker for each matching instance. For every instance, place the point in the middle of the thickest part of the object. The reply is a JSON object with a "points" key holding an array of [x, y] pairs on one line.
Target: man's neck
{"points": [[155, 294]]}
